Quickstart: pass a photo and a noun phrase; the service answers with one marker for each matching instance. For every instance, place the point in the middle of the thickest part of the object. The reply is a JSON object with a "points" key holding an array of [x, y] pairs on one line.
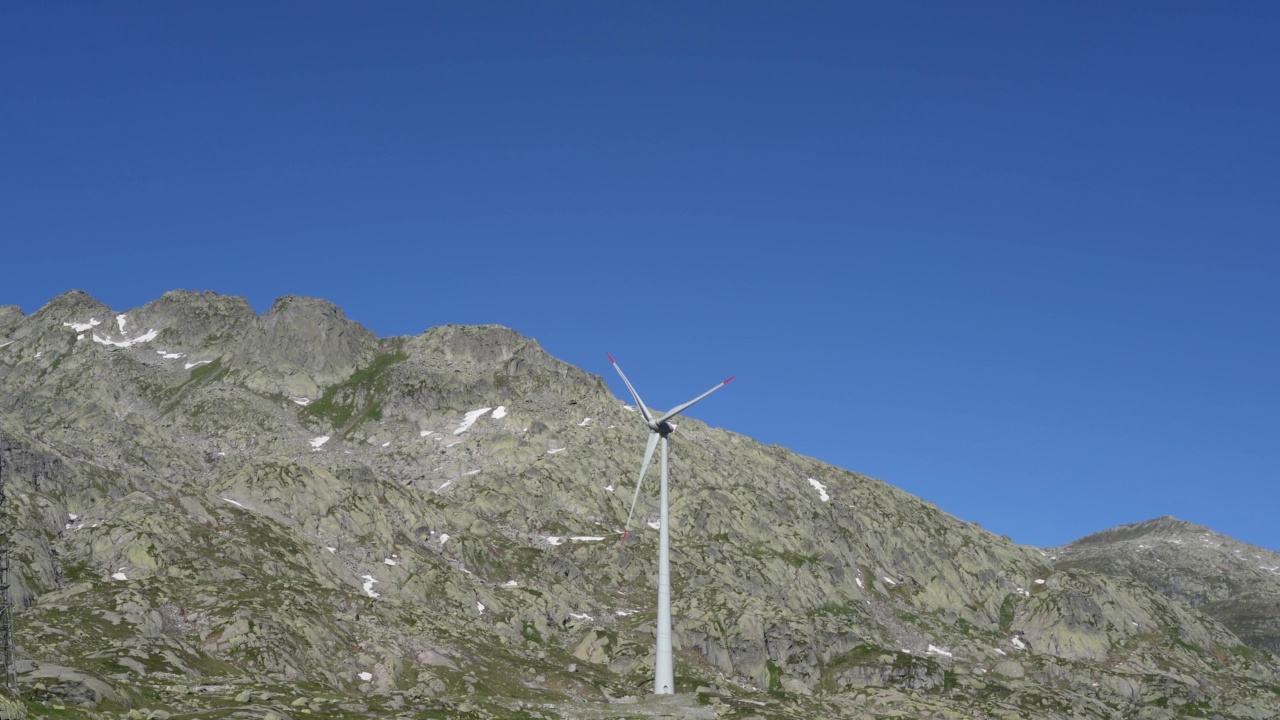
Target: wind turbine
{"points": [[659, 428]]}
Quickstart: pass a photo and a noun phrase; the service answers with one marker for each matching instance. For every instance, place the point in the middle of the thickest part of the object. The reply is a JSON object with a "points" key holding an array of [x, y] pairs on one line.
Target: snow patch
{"points": [[553, 451], [656, 525], [1039, 581], [389, 561], [365, 676], [118, 576], [120, 321], [301, 401], [624, 613], [934, 650], [72, 516], [470, 419], [859, 581], [510, 583], [586, 538], [84, 327], [585, 422], [368, 586], [479, 606], [581, 616], [333, 550], [889, 580], [555, 540], [147, 337], [1017, 642], [172, 356], [233, 502], [629, 408], [386, 444], [444, 538], [499, 412], [822, 490], [198, 363], [423, 433], [316, 442], [473, 472], [609, 487]]}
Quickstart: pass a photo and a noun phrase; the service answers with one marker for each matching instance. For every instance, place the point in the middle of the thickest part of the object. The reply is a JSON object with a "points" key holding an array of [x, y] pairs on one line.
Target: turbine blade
{"points": [[644, 466], [681, 408], [648, 418]]}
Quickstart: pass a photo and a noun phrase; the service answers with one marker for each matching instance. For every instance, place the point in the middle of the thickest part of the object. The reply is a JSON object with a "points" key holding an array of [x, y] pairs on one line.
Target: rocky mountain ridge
{"points": [[1236, 583], [243, 515]]}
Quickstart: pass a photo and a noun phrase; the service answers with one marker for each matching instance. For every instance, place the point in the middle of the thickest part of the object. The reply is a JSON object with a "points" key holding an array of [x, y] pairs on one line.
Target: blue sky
{"points": [[1018, 259]]}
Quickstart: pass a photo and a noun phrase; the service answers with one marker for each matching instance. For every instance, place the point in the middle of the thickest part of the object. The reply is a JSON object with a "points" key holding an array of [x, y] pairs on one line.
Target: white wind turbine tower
{"points": [[659, 428]]}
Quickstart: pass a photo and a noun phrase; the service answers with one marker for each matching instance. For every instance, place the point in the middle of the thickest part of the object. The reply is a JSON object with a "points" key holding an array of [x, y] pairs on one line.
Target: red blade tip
{"points": [[624, 537], [610, 357], [726, 382]]}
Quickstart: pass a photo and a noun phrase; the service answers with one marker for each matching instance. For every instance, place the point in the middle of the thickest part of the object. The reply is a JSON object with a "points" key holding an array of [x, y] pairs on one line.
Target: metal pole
{"points": [[663, 675]]}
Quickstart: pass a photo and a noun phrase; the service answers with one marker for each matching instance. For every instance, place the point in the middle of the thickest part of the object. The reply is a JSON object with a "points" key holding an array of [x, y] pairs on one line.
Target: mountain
{"points": [[1233, 582], [244, 515]]}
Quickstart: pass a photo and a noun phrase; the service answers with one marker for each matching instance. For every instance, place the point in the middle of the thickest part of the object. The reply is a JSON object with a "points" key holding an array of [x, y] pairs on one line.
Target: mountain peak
{"points": [[304, 303], [70, 303], [1165, 525], [300, 345], [1237, 583]]}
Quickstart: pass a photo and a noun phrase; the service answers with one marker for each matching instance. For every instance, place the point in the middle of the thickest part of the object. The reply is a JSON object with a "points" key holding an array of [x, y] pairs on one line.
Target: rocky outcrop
{"points": [[71, 686], [1236, 583], [10, 316], [300, 345], [198, 325]]}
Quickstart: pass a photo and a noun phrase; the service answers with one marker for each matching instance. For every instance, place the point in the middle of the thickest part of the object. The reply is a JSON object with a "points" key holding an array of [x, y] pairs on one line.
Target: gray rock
{"points": [[1235, 583], [74, 686]]}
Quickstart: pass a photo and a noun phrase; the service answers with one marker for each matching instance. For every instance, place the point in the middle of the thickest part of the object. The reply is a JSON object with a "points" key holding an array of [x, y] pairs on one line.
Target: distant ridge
{"points": [[1232, 581]]}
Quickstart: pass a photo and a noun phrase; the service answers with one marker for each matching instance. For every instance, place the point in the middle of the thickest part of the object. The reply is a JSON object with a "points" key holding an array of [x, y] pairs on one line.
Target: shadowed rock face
{"points": [[287, 505], [1236, 583], [10, 316]]}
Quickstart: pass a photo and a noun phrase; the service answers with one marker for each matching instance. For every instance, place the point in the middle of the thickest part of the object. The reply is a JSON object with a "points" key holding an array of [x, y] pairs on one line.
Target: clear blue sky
{"points": [[1017, 258]]}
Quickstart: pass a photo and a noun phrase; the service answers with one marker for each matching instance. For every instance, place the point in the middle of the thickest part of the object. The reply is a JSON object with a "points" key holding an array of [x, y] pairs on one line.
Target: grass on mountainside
{"points": [[199, 375], [1007, 610], [356, 396]]}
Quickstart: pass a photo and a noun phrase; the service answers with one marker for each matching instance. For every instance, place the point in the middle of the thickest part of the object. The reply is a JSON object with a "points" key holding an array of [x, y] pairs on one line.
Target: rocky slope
{"points": [[1236, 583], [283, 514]]}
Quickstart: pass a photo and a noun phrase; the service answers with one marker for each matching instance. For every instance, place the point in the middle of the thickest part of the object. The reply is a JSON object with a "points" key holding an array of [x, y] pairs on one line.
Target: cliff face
{"points": [[287, 507]]}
